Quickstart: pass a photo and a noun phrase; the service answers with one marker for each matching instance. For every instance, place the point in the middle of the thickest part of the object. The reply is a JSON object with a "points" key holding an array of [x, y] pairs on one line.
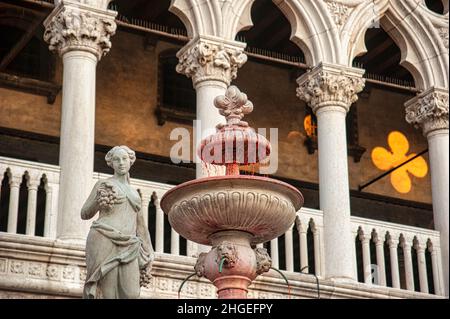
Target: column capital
{"points": [[330, 85], [74, 26], [208, 58], [15, 180], [429, 110]]}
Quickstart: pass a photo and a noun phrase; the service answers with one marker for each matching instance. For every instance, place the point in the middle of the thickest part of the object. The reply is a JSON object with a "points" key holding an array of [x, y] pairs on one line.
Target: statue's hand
{"points": [[107, 196]]}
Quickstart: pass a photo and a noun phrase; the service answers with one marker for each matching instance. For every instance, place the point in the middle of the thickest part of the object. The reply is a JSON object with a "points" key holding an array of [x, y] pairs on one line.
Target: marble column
{"points": [[212, 64], [330, 90], [381, 275], [80, 34], [365, 242], [13, 210], [393, 255], [33, 184], [429, 112], [409, 275]]}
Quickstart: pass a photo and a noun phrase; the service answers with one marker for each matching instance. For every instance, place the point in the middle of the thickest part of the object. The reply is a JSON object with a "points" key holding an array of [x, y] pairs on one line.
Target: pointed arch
{"points": [[414, 28], [313, 30], [222, 19]]}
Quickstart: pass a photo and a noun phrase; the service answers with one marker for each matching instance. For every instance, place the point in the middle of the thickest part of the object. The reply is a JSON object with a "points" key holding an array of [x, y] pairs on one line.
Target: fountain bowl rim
{"points": [[206, 180]]}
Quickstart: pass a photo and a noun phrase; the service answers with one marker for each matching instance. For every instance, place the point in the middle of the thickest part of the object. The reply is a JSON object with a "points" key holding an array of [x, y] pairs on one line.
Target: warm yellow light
{"points": [[309, 126], [386, 160]]}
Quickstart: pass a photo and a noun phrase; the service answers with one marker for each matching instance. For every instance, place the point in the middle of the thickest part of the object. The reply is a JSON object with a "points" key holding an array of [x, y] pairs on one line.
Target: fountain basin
{"points": [[263, 207]]}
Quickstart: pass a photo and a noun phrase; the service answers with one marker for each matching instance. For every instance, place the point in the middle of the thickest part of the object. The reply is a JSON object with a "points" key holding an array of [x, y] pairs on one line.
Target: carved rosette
{"points": [[330, 86], [72, 27], [429, 111], [209, 60]]}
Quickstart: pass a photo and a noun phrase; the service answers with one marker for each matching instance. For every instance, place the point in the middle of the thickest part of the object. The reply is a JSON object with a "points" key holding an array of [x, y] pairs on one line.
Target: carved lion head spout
{"points": [[263, 261], [228, 253]]}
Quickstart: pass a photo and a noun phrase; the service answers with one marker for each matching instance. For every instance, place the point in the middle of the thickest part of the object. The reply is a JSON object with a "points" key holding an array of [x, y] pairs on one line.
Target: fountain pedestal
{"points": [[232, 213], [231, 265]]}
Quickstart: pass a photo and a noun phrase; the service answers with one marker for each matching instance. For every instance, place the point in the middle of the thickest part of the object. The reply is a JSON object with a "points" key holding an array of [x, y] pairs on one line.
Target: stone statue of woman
{"points": [[119, 251]]}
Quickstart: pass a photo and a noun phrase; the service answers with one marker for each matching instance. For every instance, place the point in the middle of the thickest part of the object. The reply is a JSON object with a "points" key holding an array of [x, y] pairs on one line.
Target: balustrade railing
{"points": [[388, 254]]}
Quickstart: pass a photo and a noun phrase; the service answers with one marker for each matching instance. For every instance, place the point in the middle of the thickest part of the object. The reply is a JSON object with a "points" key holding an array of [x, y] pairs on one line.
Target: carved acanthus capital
{"points": [[330, 85], [429, 110], [206, 59], [72, 26]]}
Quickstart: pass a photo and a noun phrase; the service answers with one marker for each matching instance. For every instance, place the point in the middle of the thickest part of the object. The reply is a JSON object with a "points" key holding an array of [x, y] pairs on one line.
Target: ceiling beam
{"points": [[378, 50], [391, 62], [279, 34], [24, 40]]}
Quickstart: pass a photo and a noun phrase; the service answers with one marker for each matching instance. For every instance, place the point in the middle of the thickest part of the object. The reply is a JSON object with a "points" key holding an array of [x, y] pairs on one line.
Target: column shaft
{"points": [[409, 275], [334, 193], [381, 273], [31, 209], [395, 274], [289, 250], [13, 210], [76, 155], [423, 277], [366, 260], [438, 146]]}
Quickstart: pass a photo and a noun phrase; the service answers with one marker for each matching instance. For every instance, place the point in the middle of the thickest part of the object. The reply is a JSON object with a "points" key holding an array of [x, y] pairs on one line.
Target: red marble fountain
{"points": [[232, 213]]}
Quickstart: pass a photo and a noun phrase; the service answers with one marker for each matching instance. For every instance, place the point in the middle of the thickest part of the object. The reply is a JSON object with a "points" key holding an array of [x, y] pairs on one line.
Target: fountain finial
{"points": [[234, 105]]}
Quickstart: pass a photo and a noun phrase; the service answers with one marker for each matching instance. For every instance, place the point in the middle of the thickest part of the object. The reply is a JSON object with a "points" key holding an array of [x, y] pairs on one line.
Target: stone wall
{"points": [[127, 99]]}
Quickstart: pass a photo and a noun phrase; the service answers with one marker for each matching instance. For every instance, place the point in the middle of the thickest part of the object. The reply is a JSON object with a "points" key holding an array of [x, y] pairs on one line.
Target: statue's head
{"points": [[120, 158]]}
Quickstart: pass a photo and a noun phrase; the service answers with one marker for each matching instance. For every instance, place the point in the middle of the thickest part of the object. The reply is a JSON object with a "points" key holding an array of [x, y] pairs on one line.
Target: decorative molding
{"points": [[329, 85], [339, 11], [211, 59], [75, 27], [443, 33], [48, 259], [429, 110]]}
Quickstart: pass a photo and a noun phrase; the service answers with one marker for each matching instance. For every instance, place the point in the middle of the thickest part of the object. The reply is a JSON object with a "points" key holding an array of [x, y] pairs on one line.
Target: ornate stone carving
{"points": [[73, 28], [339, 11], [228, 253], [263, 261], [200, 265], [234, 105], [209, 60], [69, 273], [35, 269], [330, 85], [443, 33], [52, 272], [429, 111], [2, 265], [17, 267]]}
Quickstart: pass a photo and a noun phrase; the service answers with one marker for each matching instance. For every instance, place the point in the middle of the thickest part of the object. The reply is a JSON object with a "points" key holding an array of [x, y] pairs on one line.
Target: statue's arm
{"points": [[91, 206]]}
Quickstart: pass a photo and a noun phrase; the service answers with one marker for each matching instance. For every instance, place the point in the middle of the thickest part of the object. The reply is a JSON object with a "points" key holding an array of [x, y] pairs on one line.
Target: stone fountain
{"points": [[232, 213]]}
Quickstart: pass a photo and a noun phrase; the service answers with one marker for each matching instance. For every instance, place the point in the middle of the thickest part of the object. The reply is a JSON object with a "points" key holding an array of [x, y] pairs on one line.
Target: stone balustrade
{"points": [[393, 261]]}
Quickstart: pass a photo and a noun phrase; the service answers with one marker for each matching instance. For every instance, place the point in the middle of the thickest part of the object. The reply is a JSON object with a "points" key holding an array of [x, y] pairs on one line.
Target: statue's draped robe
{"points": [[118, 245]]}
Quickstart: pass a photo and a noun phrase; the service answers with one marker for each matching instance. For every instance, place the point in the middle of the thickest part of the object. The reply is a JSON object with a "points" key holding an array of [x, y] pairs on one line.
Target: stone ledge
{"points": [[34, 267]]}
